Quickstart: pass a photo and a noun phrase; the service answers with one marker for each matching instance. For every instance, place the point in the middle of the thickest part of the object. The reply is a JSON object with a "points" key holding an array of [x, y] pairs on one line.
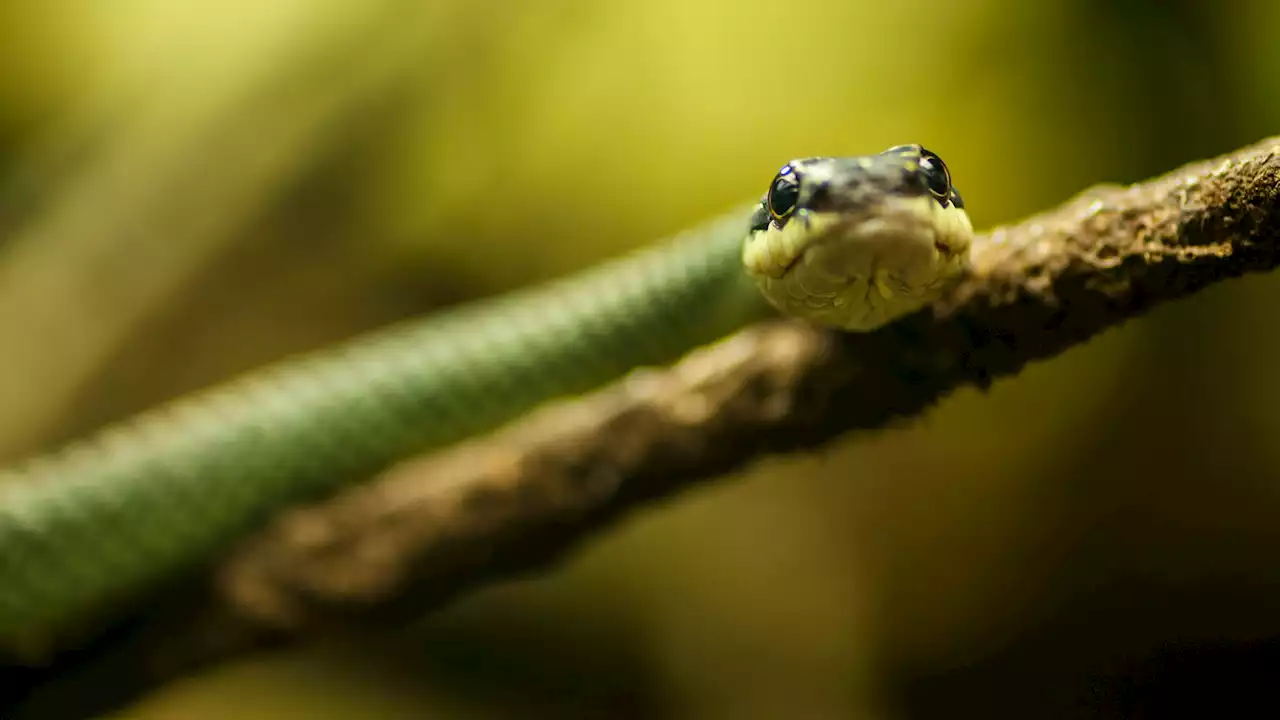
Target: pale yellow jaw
{"points": [[860, 272]]}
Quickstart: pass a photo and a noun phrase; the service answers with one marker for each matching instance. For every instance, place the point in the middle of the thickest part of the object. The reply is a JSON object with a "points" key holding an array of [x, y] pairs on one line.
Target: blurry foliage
{"points": [[192, 189]]}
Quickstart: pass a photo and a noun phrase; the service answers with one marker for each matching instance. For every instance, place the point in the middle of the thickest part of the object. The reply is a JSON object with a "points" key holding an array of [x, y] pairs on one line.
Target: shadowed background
{"points": [[190, 190]]}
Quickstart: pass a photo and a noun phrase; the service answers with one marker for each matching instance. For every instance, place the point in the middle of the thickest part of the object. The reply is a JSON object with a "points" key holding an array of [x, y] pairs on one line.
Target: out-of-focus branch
{"points": [[509, 502], [504, 503]]}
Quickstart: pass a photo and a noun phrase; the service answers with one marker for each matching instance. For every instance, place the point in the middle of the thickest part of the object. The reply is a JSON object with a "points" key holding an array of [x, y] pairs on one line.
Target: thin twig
{"points": [[512, 501]]}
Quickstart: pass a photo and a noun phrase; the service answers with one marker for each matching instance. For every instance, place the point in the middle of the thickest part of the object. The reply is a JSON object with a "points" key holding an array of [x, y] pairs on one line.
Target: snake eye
{"points": [[936, 176], [784, 193]]}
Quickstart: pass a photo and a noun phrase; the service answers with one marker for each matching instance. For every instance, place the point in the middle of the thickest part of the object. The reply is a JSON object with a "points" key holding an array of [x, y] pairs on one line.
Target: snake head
{"points": [[857, 241]]}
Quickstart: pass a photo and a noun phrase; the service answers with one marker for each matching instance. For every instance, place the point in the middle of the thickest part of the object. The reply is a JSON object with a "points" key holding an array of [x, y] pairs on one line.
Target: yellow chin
{"points": [[860, 272]]}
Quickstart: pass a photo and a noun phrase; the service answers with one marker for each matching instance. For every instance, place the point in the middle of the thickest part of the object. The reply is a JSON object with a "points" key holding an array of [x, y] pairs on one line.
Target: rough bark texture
{"points": [[511, 501], [504, 503]]}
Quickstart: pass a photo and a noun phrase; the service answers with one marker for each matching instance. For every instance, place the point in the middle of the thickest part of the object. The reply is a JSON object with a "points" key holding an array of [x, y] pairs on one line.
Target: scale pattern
{"points": [[103, 520]]}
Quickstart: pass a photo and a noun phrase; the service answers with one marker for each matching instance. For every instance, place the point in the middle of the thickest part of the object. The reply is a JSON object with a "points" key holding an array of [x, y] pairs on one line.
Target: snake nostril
{"points": [[942, 245]]}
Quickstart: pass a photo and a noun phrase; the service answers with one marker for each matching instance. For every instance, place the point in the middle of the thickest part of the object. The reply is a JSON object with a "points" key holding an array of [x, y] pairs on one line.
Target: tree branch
{"points": [[507, 502], [516, 499]]}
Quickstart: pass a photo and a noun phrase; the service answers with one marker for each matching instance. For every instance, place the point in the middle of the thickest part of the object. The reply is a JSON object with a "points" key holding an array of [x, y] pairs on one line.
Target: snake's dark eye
{"points": [[936, 176], [784, 193]]}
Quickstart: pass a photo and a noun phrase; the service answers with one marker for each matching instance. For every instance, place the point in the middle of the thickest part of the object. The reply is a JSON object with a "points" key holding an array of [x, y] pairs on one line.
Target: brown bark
{"points": [[511, 501], [505, 503]]}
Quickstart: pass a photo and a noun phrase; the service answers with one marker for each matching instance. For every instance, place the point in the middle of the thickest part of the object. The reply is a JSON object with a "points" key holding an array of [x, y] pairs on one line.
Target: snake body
{"points": [[847, 242]]}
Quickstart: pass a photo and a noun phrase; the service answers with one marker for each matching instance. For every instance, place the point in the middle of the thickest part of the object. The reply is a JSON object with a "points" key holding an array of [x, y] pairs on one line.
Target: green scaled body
{"points": [[104, 520]]}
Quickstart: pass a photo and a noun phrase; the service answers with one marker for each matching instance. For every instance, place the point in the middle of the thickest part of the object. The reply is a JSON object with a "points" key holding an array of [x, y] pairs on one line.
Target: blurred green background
{"points": [[188, 190]]}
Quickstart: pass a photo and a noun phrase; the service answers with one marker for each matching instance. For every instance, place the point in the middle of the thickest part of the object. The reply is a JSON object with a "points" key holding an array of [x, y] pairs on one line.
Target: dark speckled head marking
{"points": [[826, 184]]}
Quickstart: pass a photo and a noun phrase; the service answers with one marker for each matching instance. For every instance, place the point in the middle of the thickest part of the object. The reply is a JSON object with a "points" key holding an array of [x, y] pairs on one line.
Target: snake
{"points": [[848, 243]]}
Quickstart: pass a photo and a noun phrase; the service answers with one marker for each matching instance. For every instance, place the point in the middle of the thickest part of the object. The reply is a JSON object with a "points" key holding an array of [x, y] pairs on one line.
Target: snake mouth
{"points": [[896, 230]]}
